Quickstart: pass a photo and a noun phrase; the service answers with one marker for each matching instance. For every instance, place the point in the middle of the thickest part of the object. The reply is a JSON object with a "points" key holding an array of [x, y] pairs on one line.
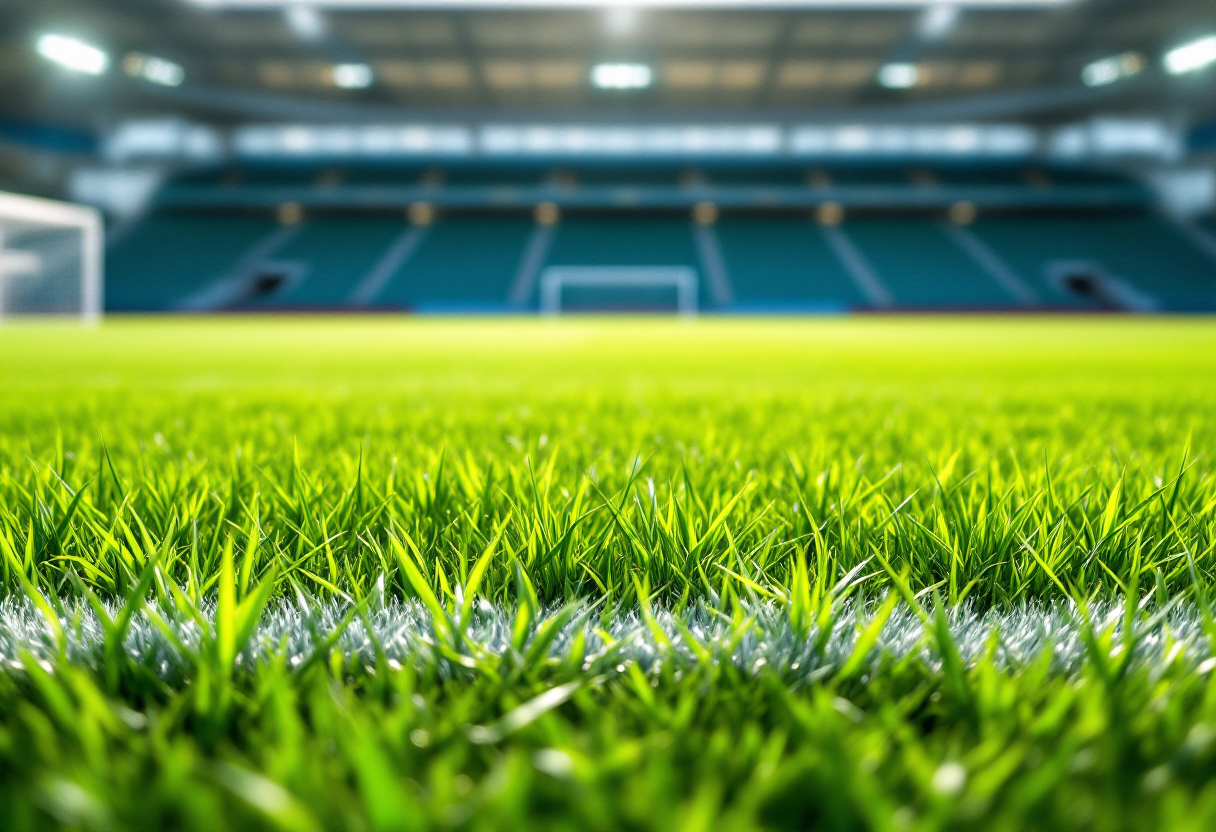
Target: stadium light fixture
{"points": [[621, 76], [938, 21], [621, 20], [626, 140], [338, 141], [1115, 68], [154, 70], [305, 21], [1191, 57], [668, 4], [73, 54], [899, 76], [352, 76]]}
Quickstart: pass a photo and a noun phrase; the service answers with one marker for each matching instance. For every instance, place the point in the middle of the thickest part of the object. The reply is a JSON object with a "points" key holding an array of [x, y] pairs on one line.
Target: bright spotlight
{"points": [[154, 70], [899, 76], [1192, 56], [352, 76], [305, 21], [938, 21], [622, 20], [621, 76], [73, 54], [1109, 70]]}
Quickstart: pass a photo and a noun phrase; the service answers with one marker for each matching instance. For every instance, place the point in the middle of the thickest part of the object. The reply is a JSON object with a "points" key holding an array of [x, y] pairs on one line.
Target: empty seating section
{"points": [[166, 258], [984, 177], [774, 263], [494, 176], [462, 264], [610, 176], [780, 263], [922, 267], [762, 175], [334, 254], [213, 242], [275, 176], [383, 175], [627, 241], [1146, 252], [624, 241]]}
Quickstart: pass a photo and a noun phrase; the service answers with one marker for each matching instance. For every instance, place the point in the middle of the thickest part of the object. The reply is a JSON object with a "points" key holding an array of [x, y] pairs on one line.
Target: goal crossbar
{"points": [[556, 279]]}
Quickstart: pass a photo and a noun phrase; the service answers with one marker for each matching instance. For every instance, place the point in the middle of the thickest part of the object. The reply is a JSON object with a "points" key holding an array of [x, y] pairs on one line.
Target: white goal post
{"points": [[556, 279], [51, 258]]}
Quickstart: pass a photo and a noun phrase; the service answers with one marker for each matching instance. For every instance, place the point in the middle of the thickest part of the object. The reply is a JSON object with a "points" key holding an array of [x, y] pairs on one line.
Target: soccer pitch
{"points": [[391, 574]]}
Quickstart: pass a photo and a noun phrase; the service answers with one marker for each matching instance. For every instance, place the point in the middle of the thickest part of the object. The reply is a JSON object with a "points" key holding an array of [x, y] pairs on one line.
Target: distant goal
{"points": [[566, 289], [50, 259]]}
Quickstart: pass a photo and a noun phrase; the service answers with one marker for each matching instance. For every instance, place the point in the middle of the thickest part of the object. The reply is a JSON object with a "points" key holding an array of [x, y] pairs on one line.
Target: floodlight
{"points": [[1109, 70], [939, 21], [155, 70], [1191, 57], [622, 20], [899, 76], [621, 76], [305, 21], [668, 4], [352, 76], [73, 54]]}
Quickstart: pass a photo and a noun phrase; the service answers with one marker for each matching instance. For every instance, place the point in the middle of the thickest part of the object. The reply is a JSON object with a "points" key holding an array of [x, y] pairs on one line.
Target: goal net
{"points": [[50, 259], [618, 289]]}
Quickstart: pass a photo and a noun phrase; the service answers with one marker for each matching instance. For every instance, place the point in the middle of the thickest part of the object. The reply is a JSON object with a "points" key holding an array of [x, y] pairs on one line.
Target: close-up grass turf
{"points": [[374, 573]]}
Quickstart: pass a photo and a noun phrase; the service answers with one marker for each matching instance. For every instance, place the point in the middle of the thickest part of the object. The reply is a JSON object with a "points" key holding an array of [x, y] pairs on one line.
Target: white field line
{"points": [[404, 632]]}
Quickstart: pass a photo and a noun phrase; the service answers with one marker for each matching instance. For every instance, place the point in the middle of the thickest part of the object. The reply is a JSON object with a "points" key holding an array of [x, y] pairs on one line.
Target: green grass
{"points": [[608, 574]]}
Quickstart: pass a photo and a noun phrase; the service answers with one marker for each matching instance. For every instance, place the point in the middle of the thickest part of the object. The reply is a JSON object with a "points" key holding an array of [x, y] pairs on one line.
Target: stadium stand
{"points": [[333, 254], [160, 262], [1066, 260], [462, 264], [922, 267], [784, 264], [623, 241], [1063, 238]]}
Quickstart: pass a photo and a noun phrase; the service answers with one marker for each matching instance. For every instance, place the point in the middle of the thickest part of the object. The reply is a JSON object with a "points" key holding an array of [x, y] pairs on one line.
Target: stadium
{"points": [[622, 414]]}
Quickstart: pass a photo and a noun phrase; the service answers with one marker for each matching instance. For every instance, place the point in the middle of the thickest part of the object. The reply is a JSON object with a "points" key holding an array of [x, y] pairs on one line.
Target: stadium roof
{"points": [[231, 61]]}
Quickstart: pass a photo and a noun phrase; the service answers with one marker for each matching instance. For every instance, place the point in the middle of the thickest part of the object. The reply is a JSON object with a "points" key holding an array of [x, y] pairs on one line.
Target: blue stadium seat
{"points": [[755, 175], [612, 176], [784, 264], [282, 175], [773, 262], [1003, 175], [922, 267], [623, 241], [463, 264], [392, 175], [165, 258], [336, 253], [1146, 251], [494, 175], [627, 241]]}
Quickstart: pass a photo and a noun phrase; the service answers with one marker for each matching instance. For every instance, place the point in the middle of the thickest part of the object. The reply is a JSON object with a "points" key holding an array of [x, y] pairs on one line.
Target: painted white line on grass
{"points": [[770, 642]]}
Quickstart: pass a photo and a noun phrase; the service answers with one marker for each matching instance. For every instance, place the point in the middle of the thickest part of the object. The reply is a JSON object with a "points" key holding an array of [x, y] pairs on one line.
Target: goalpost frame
{"points": [[68, 216], [556, 278]]}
